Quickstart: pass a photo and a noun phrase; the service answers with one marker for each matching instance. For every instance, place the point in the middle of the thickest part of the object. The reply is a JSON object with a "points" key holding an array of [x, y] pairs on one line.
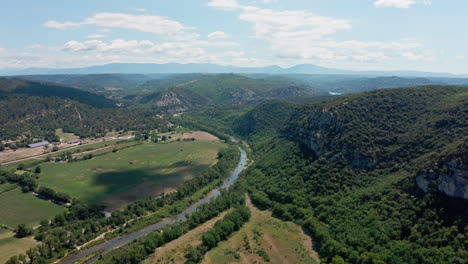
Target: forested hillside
{"points": [[10, 86], [346, 169], [92, 82], [36, 110], [219, 90]]}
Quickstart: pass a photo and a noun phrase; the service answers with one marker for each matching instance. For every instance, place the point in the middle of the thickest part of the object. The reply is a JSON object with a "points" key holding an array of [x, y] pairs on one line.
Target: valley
{"points": [[149, 170]]}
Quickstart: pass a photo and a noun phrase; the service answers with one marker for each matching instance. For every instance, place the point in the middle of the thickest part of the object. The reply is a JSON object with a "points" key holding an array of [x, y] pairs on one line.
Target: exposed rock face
{"points": [[450, 178], [321, 133]]}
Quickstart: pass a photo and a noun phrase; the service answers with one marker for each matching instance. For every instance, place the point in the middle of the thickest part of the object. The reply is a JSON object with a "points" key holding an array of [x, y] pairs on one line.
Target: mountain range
{"points": [[149, 68]]}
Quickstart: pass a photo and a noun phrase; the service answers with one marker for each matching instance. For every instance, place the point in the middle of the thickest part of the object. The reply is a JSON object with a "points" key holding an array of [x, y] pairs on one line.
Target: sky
{"points": [[424, 35]]}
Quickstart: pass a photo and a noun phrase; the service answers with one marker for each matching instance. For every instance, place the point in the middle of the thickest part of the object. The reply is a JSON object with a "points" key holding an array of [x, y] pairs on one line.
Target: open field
{"points": [[25, 208], [32, 159], [174, 251], [117, 178], [201, 135], [12, 155], [11, 246], [65, 137], [283, 242]]}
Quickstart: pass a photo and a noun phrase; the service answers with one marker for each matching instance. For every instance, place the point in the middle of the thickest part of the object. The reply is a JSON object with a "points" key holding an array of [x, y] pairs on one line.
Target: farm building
{"points": [[39, 144]]}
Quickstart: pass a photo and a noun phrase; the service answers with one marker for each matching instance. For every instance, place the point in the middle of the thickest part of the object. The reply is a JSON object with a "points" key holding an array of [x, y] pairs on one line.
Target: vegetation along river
{"points": [[117, 242]]}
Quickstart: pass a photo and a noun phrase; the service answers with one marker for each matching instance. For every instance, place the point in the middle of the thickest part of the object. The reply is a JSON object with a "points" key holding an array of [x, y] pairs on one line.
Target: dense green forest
{"points": [[346, 170]]}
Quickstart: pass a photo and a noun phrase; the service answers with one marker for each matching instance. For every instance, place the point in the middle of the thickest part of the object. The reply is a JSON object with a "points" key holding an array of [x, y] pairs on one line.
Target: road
{"points": [[117, 242], [62, 150]]}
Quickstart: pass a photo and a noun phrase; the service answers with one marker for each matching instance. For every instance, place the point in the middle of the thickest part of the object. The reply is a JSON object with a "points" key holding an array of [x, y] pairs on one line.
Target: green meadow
{"points": [[25, 208], [145, 170]]}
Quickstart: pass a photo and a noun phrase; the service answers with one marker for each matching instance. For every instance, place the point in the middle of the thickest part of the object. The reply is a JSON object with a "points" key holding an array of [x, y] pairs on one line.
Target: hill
{"points": [[221, 89], [92, 82], [171, 68], [10, 86], [34, 110], [353, 169]]}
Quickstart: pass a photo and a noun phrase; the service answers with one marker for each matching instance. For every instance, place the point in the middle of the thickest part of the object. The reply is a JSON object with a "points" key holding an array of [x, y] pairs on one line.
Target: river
{"points": [[117, 242]]}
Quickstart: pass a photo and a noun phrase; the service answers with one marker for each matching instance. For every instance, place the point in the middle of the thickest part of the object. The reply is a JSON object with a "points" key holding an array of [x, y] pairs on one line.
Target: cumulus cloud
{"points": [[95, 36], [145, 23], [217, 35], [58, 25], [399, 3], [303, 35], [142, 46]]}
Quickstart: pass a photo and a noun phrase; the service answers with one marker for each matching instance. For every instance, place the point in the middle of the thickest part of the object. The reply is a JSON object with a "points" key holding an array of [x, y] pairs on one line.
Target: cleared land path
{"points": [[123, 240], [62, 150]]}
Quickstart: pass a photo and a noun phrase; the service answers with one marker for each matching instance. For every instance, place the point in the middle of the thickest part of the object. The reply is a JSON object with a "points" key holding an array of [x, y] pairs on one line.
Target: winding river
{"points": [[117, 242]]}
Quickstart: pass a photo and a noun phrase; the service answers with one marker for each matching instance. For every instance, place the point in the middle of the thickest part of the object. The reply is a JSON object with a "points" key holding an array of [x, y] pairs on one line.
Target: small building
{"points": [[74, 141], [39, 144]]}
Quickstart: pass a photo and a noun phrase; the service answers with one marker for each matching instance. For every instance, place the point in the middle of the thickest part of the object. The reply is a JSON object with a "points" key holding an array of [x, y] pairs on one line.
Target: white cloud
{"points": [[303, 35], [224, 4], [95, 36], [217, 35], [141, 46], [399, 3], [145, 23], [58, 25]]}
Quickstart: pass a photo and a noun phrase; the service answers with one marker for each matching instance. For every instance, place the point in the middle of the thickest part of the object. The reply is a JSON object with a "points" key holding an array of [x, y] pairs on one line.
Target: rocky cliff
{"points": [[323, 133], [450, 178]]}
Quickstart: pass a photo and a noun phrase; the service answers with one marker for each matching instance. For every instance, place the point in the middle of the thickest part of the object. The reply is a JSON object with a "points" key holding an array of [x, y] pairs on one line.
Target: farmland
{"points": [[10, 245], [25, 208], [117, 178]]}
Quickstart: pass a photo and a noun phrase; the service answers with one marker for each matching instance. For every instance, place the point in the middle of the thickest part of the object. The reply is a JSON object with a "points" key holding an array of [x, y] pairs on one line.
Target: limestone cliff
{"points": [[450, 178]]}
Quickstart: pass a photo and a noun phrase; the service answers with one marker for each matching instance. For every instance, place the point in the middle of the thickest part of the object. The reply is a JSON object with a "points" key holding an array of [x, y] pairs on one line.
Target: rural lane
{"points": [[117, 242], [62, 150]]}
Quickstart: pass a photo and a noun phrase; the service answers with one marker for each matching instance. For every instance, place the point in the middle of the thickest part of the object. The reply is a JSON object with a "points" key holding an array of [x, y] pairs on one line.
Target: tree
{"points": [[338, 260], [38, 169], [21, 166], [22, 231], [209, 240]]}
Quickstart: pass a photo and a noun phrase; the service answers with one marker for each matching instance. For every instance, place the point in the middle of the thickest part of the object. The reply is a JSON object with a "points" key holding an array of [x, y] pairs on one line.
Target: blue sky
{"points": [[349, 34]]}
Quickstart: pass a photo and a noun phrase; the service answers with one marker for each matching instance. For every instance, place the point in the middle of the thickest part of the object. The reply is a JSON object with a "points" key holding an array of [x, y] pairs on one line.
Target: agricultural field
{"points": [[141, 171], [65, 137], [265, 239], [25, 208], [11, 246]]}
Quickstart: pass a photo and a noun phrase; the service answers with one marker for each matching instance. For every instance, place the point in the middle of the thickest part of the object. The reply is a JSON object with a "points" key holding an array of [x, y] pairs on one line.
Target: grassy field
{"points": [[65, 137], [11, 246], [282, 242], [25, 208], [115, 179]]}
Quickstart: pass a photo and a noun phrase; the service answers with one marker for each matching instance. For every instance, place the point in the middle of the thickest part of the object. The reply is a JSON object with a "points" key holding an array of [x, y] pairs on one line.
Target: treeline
{"points": [[139, 250], [221, 231], [82, 222], [27, 182]]}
